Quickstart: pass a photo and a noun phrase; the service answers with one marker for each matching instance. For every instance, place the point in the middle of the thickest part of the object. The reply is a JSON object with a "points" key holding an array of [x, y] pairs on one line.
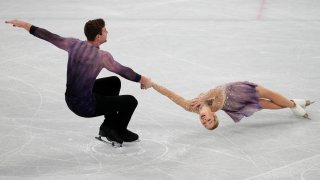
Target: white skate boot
{"points": [[298, 110], [303, 102]]}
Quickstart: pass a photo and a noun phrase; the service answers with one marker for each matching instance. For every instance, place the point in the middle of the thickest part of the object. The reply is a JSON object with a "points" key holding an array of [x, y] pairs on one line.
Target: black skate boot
{"points": [[129, 136], [111, 135]]}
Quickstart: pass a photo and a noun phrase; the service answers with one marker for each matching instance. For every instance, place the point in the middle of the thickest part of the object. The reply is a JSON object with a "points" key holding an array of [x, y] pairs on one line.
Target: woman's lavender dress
{"points": [[241, 100]]}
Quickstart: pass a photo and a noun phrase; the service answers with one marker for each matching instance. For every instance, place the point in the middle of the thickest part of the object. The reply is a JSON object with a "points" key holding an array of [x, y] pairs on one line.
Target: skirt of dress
{"points": [[241, 100]]}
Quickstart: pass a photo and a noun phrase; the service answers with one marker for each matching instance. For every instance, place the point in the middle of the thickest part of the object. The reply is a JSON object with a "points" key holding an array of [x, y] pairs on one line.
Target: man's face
{"points": [[103, 36]]}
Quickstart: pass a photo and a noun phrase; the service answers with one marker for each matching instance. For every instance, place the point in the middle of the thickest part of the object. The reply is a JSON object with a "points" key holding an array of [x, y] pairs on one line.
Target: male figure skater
{"points": [[87, 96]]}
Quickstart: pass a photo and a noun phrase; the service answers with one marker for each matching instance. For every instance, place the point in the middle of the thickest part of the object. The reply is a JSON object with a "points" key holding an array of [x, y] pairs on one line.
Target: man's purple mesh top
{"points": [[85, 62]]}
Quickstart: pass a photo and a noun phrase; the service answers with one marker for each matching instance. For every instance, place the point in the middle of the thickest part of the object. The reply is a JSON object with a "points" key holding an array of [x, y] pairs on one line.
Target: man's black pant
{"points": [[116, 108]]}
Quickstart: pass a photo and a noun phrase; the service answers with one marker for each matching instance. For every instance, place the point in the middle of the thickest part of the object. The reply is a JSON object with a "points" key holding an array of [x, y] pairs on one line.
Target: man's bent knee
{"points": [[116, 81], [132, 100]]}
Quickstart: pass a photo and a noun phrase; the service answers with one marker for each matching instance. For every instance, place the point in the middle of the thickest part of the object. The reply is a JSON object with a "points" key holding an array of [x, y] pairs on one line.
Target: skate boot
{"points": [[129, 136], [298, 110], [303, 102], [111, 135]]}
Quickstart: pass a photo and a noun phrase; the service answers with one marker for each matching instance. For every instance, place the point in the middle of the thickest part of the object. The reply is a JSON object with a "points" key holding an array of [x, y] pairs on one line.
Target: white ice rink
{"points": [[188, 46]]}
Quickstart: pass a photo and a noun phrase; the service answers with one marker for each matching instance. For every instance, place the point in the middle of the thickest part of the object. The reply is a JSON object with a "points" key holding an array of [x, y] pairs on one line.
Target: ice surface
{"points": [[189, 46]]}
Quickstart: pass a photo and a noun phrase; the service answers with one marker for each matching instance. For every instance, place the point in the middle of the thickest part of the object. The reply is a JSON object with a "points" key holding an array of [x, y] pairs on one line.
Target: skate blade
{"points": [[306, 116], [309, 102], [113, 143], [138, 140]]}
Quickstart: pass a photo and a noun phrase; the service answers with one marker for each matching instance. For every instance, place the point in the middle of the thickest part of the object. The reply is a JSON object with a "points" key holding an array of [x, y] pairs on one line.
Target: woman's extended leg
{"points": [[268, 104], [272, 100], [277, 101]]}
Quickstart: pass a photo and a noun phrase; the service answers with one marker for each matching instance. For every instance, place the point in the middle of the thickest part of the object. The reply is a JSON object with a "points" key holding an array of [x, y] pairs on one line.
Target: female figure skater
{"points": [[237, 99]]}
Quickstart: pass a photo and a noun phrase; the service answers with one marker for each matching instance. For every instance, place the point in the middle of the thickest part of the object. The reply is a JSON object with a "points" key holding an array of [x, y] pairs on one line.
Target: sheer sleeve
{"points": [[58, 41], [114, 66], [214, 98], [185, 104]]}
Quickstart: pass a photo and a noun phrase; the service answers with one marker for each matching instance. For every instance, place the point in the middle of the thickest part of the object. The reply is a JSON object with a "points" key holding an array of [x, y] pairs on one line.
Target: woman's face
{"points": [[206, 117]]}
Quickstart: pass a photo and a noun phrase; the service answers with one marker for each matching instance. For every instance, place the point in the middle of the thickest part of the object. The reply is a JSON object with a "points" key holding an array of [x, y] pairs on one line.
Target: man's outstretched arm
{"points": [[58, 41]]}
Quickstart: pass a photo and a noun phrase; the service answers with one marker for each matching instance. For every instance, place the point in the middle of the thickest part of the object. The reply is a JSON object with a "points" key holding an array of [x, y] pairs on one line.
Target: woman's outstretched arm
{"points": [[179, 100]]}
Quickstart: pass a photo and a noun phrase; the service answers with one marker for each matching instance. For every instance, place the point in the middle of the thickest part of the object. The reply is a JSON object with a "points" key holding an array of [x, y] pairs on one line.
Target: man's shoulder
{"points": [[74, 41], [105, 53]]}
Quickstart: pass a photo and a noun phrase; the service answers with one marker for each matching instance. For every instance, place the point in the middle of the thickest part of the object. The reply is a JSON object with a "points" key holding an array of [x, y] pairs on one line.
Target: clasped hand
{"points": [[145, 83], [196, 102]]}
